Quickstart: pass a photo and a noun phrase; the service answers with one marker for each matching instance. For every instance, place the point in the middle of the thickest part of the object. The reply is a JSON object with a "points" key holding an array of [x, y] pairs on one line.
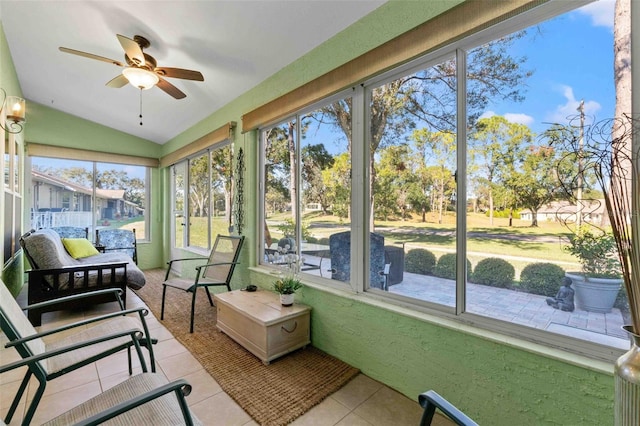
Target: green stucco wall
{"points": [[497, 384]]}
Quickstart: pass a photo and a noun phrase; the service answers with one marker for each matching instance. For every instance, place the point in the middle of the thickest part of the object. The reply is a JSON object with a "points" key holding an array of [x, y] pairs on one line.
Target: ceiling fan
{"points": [[141, 69]]}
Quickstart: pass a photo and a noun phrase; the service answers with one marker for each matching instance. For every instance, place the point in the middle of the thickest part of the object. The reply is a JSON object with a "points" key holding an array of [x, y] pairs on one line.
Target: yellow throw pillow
{"points": [[79, 247]]}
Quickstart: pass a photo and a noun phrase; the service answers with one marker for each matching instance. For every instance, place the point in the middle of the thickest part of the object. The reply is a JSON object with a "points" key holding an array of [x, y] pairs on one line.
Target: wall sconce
{"points": [[13, 108]]}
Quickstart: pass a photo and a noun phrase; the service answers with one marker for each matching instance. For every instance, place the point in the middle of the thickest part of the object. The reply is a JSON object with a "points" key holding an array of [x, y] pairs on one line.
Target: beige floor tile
{"points": [[327, 413], [160, 332], [9, 355], [220, 410], [54, 405], [202, 386], [353, 420], [17, 417], [8, 392], [356, 391], [179, 365], [110, 381], [168, 348], [76, 378], [389, 408], [117, 363]]}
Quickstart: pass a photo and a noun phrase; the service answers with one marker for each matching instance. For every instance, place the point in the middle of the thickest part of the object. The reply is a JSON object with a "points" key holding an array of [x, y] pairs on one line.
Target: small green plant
{"points": [[541, 278], [494, 272], [419, 261], [287, 285], [597, 253]]}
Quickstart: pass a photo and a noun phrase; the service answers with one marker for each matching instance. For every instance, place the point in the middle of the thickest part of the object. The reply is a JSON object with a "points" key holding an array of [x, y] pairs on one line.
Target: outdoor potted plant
{"points": [[600, 280], [286, 288]]}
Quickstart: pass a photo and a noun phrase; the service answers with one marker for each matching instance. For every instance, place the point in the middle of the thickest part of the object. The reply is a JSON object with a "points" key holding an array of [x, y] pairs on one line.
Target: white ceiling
{"points": [[234, 44]]}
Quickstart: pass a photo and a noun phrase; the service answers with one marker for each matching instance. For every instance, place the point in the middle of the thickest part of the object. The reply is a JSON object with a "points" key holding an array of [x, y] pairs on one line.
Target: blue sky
{"points": [[572, 58]]}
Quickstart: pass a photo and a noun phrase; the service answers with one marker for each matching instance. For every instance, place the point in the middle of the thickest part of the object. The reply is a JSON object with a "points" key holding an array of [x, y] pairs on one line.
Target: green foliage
{"points": [[494, 272], [597, 253], [419, 261], [287, 285], [504, 213], [541, 278], [288, 229], [446, 267]]}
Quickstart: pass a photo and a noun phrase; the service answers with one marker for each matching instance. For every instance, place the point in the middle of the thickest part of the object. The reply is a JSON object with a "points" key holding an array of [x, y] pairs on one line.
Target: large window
{"points": [[449, 194], [89, 194], [202, 197]]}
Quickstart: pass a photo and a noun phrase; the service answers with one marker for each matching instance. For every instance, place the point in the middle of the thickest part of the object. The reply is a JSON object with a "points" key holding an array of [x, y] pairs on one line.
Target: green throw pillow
{"points": [[79, 247]]}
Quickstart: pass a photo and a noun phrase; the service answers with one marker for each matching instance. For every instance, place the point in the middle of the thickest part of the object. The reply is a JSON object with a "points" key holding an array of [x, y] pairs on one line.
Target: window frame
{"points": [[185, 164], [359, 199], [73, 200]]}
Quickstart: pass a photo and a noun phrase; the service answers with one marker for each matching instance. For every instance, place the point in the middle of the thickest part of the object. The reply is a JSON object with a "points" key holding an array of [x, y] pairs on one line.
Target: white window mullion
{"points": [[360, 151], [461, 181]]}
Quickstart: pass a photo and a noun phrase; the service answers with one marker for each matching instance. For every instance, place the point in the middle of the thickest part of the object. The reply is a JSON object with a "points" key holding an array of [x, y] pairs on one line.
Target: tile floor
{"points": [[362, 401]]}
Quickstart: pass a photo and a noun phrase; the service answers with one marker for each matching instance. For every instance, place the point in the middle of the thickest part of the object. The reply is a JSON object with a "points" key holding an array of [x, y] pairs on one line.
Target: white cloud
{"points": [[565, 112], [487, 114], [600, 12], [516, 117], [513, 117]]}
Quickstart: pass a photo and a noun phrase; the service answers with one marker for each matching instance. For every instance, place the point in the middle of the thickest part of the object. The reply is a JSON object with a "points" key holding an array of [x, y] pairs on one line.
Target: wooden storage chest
{"points": [[258, 321]]}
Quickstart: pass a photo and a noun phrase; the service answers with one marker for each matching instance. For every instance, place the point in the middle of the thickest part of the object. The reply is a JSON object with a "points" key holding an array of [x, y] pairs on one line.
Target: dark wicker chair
{"points": [[118, 240], [340, 247]]}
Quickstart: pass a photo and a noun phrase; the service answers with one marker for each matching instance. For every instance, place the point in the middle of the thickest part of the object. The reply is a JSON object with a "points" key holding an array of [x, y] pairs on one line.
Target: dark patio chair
{"points": [[144, 399], [340, 247], [430, 400], [107, 335], [217, 271], [114, 240], [71, 231]]}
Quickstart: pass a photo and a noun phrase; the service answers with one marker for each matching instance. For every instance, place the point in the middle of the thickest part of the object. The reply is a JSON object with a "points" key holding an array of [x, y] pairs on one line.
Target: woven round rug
{"points": [[274, 394]]}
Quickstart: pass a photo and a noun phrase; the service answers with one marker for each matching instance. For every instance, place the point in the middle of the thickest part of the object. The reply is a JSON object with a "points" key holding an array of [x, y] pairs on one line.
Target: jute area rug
{"points": [[274, 394]]}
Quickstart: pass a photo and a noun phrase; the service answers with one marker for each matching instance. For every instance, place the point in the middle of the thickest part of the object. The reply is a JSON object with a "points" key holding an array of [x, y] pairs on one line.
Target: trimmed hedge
{"points": [[446, 267], [544, 279], [419, 261], [494, 272]]}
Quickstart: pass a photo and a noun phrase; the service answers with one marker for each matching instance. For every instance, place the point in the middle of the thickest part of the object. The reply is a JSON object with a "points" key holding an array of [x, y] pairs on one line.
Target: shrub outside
{"points": [[419, 261], [494, 272], [544, 279]]}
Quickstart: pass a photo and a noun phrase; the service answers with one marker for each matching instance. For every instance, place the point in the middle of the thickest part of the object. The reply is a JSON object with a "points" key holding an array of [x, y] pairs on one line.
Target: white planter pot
{"points": [[287, 299], [594, 294]]}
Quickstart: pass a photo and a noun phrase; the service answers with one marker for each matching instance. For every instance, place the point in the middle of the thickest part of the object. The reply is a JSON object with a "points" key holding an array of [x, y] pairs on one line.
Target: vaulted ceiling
{"points": [[234, 44]]}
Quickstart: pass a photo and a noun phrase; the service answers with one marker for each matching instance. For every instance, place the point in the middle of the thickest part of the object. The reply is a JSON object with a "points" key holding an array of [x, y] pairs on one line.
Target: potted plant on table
{"points": [[286, 288], [288, 283], [598, 284]]}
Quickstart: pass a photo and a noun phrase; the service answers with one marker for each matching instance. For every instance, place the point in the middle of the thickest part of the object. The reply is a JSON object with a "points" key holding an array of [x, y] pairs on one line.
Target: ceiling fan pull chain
{"points": [[141, 106]]}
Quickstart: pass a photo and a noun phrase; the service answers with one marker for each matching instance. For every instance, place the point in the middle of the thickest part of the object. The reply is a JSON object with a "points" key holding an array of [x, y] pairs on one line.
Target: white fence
{"points": [[50, 219]]}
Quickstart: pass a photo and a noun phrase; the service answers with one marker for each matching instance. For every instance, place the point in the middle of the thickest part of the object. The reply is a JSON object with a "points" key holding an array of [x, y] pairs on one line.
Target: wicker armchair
{"points": [[91, 340]]}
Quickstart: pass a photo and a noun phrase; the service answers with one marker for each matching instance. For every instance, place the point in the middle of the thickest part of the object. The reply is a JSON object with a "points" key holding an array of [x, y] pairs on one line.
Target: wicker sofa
{"points": [[55, 274]]}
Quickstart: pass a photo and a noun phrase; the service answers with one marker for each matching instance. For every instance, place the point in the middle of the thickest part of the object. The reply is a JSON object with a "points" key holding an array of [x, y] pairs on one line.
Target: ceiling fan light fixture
{"points": [[140, 78]]}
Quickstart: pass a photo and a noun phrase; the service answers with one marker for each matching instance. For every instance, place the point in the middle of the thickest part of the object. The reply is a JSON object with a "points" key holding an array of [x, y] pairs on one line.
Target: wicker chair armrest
{"points": [[116, 291], [180, 387], [134, 333], [216, 264], [143, 312], [185, 258], [431, 400]]}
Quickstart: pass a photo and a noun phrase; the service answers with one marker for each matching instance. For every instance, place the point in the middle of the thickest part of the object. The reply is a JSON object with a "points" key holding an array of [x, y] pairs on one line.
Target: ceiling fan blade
{"points": [[170, 89], [117, 82], [132, 49], [179, 73], [90, 56]]}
